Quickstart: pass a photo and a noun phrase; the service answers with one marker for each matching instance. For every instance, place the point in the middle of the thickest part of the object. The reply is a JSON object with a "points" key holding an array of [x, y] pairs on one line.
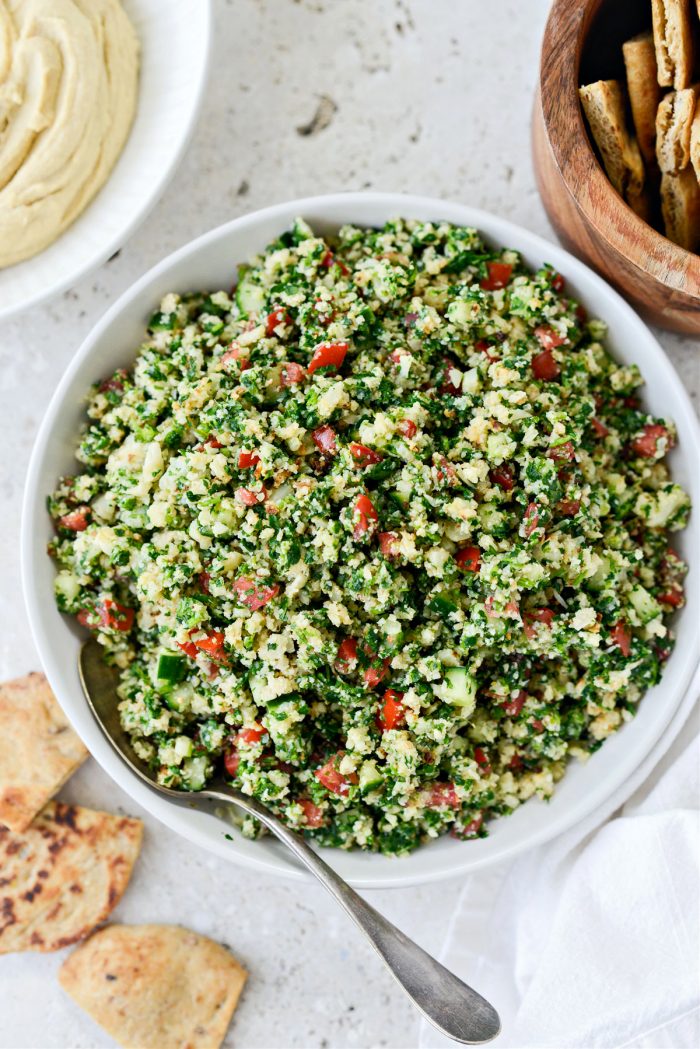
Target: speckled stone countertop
{"points": [[424, 96]]}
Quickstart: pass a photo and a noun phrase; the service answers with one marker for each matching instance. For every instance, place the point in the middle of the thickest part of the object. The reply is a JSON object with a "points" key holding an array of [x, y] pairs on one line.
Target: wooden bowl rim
{"points": [[638, 242]]}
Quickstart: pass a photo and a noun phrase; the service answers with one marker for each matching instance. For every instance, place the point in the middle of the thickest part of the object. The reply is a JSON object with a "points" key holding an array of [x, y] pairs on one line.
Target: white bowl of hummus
{"points": [[510, 728], [96, 114]]}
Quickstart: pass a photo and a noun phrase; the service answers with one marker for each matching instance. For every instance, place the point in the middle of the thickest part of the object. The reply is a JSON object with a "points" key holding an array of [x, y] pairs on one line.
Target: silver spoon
{"points": [[448, 1003]]}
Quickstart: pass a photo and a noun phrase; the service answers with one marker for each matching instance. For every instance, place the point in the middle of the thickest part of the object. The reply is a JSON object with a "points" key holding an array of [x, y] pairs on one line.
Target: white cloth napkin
{"points": [[594, 939]]}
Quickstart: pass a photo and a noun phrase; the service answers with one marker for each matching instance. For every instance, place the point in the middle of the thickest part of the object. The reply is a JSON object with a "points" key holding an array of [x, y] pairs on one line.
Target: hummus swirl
{"points": [[68, 86]]}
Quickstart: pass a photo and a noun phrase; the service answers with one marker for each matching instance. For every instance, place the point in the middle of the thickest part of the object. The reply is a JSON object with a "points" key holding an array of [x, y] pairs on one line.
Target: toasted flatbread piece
{"points": [[604, 106], [695, 139], [680, 207], [63, 875], [38, 749], [673, 41], [155, 986], [643, 90], [674, 122]]}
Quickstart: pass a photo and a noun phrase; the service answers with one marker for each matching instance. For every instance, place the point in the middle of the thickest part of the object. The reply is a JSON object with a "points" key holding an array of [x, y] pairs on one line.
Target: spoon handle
{"points": [[449, 1004]]}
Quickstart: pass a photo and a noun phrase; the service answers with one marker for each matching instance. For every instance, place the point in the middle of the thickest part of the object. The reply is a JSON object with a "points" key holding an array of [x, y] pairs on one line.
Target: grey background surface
{"points": [[424, 96]]}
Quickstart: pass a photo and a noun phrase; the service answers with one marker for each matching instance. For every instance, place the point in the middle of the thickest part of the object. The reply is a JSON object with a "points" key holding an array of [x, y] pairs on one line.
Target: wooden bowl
{"points": [[583, 42]]}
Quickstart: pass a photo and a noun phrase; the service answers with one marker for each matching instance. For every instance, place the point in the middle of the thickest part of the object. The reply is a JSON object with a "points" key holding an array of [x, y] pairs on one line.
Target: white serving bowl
{"points": [[174, 37], [210, 263]]}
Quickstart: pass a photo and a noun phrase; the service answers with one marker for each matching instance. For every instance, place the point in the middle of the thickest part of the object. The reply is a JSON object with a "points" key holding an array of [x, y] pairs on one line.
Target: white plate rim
{"points": [[100, 255]]}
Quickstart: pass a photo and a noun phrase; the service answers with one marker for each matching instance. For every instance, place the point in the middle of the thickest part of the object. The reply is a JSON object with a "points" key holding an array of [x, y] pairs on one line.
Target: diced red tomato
{"points": [[536, 615], [291, 374], [672, 597], [188, 647], [392, 713], [646, 444], [213, 443], [469, 830], [347, 655], [408, 428], [236, 353], [313, 814], [558, 283], [333, 780], [481, 759], [499, 275], [548, 338], [388, 543], [515, 763], [249, 498], [363, 455], [469, 558], [246, 460], [448, 386], [252, 594], [503, 477], [113, 616], [373, 676], [515, 705], [484, 347], [446, 471], [274, 319], [569, 507], [599, 427], [76, 520], [115, 383], [531, 519], [251, 735], [441, 795], [232, 760], [329, 260], [563, 453], [212, 644], [544, 366], [581, 313], [328, 355], [203, 580], [365, 516], [324, 439], [538, 725], [621, 636]]}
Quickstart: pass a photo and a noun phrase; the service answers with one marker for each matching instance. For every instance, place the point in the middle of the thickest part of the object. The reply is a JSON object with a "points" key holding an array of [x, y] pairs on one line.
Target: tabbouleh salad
{"points": [[382, 535]]}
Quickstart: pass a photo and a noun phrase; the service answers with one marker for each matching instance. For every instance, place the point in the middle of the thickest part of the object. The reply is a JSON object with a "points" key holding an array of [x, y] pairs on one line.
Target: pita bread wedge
{"points": [[38, 749], [643, 90], [673, 40], [680, 207], [695, 141], [155, 986], [674, 122], [63, 875], [604, 106]]}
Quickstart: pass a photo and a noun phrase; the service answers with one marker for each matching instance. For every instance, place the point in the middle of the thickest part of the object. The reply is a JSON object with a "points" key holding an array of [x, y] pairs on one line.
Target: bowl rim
{"points": [[400, 874], [629, 236], [157, 187]]}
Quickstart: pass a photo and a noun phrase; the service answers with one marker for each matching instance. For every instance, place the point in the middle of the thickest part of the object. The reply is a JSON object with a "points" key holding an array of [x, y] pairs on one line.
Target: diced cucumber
{"points": [[249, 295], [443, 604], [646, 606], [67, 590], [177, 697], [370, 778], [171, 668], [458, 688]]}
